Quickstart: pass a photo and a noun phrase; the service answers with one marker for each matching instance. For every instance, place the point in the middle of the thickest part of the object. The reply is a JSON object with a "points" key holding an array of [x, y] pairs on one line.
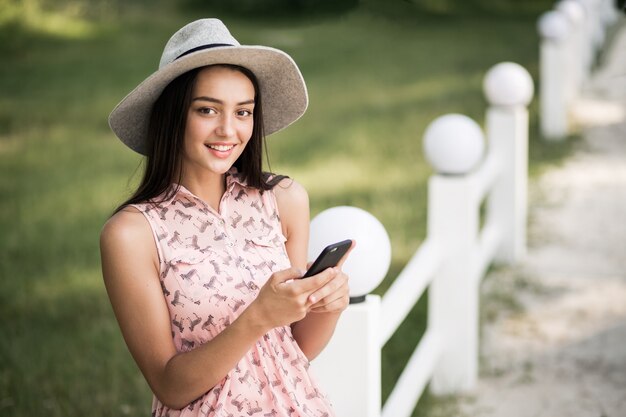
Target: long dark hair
{"points": [[166, 135]]}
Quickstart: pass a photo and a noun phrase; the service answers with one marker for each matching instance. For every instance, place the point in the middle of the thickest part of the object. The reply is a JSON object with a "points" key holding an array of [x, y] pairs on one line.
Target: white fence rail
{"points": [[571, 36], [450, 263]]}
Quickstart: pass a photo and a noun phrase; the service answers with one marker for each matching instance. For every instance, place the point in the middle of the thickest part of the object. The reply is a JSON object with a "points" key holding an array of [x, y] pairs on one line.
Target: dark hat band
{"points": [[201, 47]]}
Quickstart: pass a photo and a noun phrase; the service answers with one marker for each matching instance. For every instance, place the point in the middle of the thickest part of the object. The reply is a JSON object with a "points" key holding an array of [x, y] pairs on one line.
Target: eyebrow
{"points": [[218, 101]]}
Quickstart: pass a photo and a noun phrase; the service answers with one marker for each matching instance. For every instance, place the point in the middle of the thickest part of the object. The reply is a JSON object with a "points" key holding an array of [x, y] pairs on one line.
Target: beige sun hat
{"points": [[207, 42]]}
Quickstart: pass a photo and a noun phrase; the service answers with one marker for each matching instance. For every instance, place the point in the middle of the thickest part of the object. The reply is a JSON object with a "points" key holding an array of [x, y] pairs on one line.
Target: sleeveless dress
{"points": [[212, 266]]}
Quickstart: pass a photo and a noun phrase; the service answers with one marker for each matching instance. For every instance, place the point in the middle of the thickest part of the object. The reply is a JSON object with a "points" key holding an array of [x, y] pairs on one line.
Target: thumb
{"points": [[287, 275]]}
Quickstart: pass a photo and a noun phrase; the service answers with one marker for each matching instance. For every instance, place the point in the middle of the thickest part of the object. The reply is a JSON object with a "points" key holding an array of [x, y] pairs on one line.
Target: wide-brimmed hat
{"points": [[207, 42]]}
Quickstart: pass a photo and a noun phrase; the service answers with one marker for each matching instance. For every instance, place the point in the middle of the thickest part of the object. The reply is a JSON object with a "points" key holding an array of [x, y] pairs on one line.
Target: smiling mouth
{"points": [[220, 148]]}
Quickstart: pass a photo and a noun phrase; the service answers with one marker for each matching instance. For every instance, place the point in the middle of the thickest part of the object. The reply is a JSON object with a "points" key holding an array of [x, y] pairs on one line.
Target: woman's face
{"points": [[219, 121]]}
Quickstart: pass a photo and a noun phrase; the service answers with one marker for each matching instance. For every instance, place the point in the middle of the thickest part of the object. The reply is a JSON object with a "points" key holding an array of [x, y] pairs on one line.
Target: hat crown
{"points": [[201, 33]]}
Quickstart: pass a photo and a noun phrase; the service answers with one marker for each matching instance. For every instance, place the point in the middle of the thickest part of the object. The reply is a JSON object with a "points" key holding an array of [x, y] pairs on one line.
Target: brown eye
{"points": [[244, 113], [206, 110]]}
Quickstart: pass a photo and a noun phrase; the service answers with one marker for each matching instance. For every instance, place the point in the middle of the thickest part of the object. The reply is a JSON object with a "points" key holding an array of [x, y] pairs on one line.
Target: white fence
{"points": [[571, 37], [449, 264]]}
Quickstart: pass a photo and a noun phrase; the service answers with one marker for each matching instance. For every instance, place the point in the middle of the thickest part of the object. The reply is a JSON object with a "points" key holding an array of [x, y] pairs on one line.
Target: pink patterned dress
{"points": [[212, 266]]}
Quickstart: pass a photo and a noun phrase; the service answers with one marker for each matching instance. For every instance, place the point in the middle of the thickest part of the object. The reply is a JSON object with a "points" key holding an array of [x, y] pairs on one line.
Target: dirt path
{"points": [[553, 340]]}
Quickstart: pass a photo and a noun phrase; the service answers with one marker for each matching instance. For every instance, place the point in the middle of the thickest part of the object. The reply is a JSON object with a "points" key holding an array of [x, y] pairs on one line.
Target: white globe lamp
{"points": [[553, 25], [572, 9], [453, 144], [369, 261], [508, 84]]}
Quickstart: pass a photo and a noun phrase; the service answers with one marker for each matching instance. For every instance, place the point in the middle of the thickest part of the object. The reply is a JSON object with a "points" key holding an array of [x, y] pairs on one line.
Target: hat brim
{"points": [[282, 88]]}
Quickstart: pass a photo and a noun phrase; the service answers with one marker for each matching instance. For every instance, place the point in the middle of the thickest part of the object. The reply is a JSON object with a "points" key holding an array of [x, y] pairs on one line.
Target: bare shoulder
{"points": [[293, 208], [291, 195], [126, 226], [127, 238]]}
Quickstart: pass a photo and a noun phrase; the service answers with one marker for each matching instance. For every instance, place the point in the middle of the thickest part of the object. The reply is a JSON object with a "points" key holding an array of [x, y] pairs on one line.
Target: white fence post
{"points": [[571, 36], [454, 144], [590, 29], [575, 14], [349, 367], [597, 36], [508, 88], [554, 30]]}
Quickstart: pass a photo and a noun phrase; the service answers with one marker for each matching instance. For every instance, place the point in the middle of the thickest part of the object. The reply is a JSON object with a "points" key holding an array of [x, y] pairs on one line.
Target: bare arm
{"points": [[314, 331], [131, 276]]}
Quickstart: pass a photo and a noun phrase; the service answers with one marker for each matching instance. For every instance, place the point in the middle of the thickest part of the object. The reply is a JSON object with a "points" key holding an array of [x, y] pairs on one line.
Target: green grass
{"points": [[377, 74]]}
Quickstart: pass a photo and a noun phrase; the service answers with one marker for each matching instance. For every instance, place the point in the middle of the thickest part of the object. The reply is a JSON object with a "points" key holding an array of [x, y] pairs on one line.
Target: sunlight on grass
{"points": [[65, 23], [59, 25], [9, 144], [67, 283], [344, 175]]}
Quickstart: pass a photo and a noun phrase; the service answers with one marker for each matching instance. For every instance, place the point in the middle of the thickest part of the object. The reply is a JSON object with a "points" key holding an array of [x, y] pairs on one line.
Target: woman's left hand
{"points": [[334, 296]]}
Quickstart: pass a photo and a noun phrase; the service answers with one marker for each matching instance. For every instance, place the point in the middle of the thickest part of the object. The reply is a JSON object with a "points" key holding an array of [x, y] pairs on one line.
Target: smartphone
{"points": [[329, 257]]}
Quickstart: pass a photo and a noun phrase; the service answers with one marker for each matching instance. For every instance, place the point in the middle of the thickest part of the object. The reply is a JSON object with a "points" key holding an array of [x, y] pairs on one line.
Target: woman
{"points": [[202, 263]]}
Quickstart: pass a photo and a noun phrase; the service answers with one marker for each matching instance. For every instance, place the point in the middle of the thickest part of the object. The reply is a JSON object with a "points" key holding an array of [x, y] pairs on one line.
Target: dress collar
{"points": [[232, 179]]}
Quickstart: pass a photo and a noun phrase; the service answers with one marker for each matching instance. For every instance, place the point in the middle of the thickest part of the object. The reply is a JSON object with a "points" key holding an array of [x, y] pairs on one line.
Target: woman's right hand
{"points": [[285, 298]]}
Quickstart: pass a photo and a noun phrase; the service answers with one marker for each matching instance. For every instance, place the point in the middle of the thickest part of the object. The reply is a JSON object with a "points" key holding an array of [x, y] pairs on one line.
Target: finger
{"points": [[345, 256], [306, 286], [319, 280], [330, 296], [287, 274], [324, 303], [339, 284], [337, 305]]}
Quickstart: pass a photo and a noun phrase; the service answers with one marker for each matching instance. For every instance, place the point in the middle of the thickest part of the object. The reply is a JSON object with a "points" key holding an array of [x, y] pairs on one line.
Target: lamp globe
{"points": [[453, 144], [369, 261]]}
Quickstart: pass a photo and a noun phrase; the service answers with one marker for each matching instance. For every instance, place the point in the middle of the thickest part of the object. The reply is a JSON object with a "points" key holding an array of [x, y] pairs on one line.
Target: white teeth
{"points": [[221, 148]]}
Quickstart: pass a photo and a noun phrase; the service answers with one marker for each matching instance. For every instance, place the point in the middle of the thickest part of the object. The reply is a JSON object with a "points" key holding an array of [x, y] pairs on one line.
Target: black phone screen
{"points": [[329, 257]]}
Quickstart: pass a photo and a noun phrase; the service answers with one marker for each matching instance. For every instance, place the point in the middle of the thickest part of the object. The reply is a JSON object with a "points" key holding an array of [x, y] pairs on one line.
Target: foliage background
{"points": [[378, 72]]}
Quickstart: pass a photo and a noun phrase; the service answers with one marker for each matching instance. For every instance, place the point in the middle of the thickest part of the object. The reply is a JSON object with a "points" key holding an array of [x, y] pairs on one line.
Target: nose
{"points": [[225, 127]]}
